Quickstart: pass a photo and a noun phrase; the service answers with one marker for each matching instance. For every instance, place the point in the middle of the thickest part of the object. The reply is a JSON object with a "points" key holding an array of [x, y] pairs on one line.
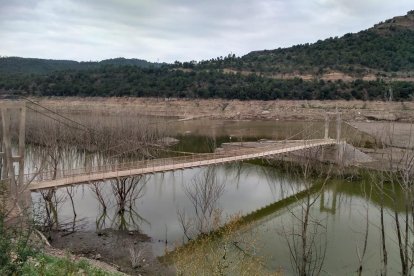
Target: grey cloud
{"points": [[182, 29]]}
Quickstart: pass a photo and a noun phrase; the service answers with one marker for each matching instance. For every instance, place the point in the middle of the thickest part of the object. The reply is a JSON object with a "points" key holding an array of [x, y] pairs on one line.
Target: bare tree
{"points": [[87, 141], [204, 191], [306, 238], [127, 191], [111, 135], [395, 183], [361, 255], [97, 190]]}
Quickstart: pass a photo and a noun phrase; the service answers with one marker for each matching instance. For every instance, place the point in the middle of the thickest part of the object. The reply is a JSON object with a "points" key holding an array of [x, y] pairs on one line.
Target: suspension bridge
{"points": [[60, 178], [51, 179]]}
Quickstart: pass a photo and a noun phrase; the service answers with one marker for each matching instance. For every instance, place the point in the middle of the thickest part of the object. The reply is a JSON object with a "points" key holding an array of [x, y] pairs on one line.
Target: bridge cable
{"points": [[56, 113], [53, 118], [303, 130], [85, 128]]}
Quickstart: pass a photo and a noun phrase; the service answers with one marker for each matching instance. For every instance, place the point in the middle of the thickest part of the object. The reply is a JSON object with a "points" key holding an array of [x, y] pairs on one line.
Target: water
{"points": [[203, 135], [246, 187], [343, 212], [241, 188]]}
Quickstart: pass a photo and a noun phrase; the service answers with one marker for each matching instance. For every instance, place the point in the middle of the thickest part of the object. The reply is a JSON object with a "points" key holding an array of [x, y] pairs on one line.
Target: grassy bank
{"points": [[42, 264], [22, 253]]}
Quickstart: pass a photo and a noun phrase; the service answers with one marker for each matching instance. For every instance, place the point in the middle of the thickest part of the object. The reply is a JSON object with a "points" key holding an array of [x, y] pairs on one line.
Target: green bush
{"points": [[14, 249], [18, 256], [46, 265]]}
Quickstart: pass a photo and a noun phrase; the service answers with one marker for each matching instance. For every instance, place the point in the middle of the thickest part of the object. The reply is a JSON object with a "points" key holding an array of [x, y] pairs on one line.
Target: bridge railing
{"points": [[173, 162]]}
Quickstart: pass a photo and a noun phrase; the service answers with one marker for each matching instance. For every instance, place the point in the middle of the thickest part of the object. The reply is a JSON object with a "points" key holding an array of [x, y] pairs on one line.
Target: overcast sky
{"points": [[169, 30]]}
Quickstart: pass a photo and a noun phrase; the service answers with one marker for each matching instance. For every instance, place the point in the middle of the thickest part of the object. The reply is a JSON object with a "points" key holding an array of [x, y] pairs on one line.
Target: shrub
{"points": [[14, 248]]}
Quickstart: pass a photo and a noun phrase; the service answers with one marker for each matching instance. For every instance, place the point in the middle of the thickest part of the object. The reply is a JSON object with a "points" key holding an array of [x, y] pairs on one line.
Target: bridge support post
{"points": [[330, 209], [326, 136], [8, 171], [340, 146], [338, 127], [22, 143]]}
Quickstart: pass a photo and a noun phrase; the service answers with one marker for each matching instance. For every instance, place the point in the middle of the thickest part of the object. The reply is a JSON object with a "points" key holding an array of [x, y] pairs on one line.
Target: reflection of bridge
{"points": [[46, 180]]}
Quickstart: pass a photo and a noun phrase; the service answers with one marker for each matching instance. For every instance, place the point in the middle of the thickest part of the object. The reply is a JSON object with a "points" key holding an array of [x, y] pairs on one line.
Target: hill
{"points": [[166, 83], [386, 48], [18, 65]]}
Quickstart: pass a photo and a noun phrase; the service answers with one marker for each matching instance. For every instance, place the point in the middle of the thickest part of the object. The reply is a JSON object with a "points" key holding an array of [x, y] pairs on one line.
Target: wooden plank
{"points": [[16, 158], [165, 166]]}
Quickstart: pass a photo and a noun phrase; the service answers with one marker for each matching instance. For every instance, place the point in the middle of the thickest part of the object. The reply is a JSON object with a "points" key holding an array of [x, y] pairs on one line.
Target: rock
{"points": [[168, 141], [381, 116]]}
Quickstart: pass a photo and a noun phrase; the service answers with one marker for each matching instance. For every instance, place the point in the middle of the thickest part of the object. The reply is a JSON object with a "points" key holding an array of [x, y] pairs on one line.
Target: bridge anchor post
{"points": [[16, 185], [339, 145]]}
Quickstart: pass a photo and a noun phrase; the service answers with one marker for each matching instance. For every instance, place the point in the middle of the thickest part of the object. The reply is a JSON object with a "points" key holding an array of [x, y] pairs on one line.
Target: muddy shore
{"points": [[115, 248], [234, 109]]}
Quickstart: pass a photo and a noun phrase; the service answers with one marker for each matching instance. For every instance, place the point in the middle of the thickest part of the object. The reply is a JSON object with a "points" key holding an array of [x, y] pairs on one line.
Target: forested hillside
{"points": [[387, 47], [164, 82], [17, 65], [386, 52]]}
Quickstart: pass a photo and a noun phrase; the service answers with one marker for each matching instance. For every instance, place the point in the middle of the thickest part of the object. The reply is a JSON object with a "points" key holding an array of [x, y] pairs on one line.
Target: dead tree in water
{"points": [[306, 237], [85, 142], [361, 254], [403, 179], [127, 191], [98, 191], [204, 191], [112, 135], [52, 147], [395, 185]]}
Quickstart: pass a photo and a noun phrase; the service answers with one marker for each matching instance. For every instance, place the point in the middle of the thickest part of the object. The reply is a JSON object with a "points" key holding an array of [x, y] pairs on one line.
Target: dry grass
{"points": [[93, 132]]}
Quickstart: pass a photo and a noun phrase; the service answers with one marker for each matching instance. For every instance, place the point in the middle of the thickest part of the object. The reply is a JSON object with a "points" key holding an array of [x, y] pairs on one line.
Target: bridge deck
{"points": [[45, 180]]}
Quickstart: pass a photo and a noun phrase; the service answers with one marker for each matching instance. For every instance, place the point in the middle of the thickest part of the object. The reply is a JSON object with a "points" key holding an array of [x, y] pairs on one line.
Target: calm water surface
{"points": [[342, 209]]}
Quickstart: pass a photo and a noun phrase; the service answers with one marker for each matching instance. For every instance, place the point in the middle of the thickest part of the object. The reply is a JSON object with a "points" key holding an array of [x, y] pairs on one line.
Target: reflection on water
{"points": [[343, 209], [204, 193], [123, 196], [176, 206], [203, 135], [150, 203]]}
